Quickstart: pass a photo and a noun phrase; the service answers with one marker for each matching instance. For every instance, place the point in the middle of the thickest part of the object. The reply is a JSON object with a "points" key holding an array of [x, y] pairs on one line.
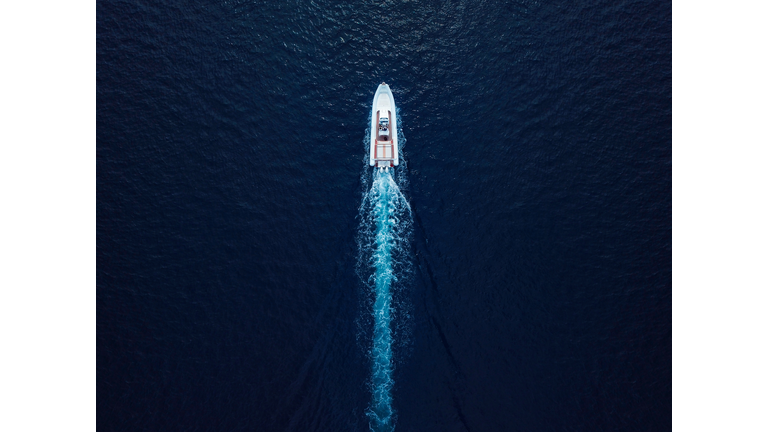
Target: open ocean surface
{"points": [[534, 271]]}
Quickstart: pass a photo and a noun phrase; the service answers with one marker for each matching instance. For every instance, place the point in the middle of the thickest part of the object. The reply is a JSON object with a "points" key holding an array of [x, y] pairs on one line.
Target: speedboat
{"points": [[384, 151]]}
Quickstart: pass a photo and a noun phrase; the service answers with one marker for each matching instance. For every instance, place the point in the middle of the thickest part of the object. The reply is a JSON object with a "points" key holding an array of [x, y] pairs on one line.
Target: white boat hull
{"points": [[384, 149]]}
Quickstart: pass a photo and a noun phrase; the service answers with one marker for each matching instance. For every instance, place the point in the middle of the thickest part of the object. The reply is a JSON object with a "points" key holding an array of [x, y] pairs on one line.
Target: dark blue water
{"points": [[533, 287]]}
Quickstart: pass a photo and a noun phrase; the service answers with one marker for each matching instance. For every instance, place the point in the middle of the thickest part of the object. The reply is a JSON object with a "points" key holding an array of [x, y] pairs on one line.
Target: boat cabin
{"points": [[384, 134], [384, 153]]}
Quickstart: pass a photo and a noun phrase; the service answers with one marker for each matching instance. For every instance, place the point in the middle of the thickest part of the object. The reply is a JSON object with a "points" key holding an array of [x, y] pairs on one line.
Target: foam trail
{"points": [[386, 224]]}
